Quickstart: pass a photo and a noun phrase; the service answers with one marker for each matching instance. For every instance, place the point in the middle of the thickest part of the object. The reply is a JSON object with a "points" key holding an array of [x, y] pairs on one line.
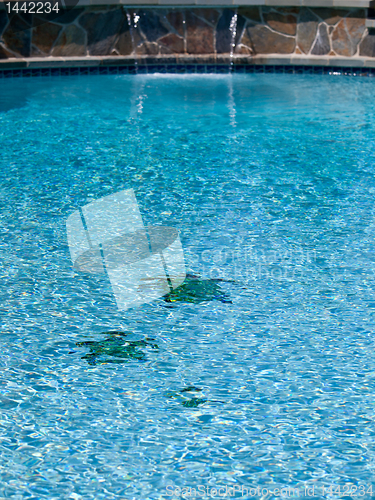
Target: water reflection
{"points": [[108, 237]]}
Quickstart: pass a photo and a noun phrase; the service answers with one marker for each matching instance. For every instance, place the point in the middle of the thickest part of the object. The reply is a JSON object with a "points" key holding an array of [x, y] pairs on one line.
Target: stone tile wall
{"points": [[112, 31]]}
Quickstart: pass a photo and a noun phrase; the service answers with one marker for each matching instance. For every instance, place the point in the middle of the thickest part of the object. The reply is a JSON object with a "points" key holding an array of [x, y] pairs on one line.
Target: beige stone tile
{"points": [[289, 3], [133, 3], [249, 2], [271, 60], [308, 61], [214, 2], [347, 62], [51, 62], [285, 3], [317, 3], [351, 3], [176, 3], [100, 2]]}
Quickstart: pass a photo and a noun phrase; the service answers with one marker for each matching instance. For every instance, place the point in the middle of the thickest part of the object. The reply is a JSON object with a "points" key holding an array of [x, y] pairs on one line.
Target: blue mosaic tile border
{"points": [[186, 68]]}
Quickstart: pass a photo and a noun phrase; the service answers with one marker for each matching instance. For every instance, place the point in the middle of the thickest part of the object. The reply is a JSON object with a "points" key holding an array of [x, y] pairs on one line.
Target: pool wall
{"points": [[244, 35]]}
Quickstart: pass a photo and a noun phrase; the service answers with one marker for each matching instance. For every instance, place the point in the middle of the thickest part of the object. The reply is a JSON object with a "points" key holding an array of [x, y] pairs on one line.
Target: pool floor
{"points": [[260, 371]]}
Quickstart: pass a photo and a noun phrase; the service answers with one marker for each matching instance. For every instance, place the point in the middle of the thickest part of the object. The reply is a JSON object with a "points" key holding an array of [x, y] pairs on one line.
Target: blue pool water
{"points": [[264, 379]]}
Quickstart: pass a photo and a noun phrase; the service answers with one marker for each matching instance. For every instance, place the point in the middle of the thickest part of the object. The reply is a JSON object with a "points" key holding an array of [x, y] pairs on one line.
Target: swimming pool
{"points": [[261, 374]]}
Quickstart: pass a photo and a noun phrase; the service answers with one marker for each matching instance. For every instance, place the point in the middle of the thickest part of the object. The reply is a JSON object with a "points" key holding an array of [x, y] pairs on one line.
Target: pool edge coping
{"points": [[186, 60], [172, 4]]}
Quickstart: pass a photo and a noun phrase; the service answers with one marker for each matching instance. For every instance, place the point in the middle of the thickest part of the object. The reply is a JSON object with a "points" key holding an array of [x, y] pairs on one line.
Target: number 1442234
{"points": [[32, 7]]}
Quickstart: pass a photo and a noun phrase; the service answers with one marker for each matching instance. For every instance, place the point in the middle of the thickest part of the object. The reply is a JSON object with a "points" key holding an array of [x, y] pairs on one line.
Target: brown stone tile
{"points": [[62, 17], [251, 13], [44, 36], [367, 47], [358, 14], [330, 15], [35, 52], [68, 16], [19, 21], [71, 42], [176, 20], [17, 37], [102, 30], [283, 23], [306, 29], [151, 25], [322, 45], [199, 35], [347, 35], [174, 43], [288, 10], [224, 36], [209, 15], [264, 41], [96, 9], [3, 20], [124, 45], [4, 53], [129, 37], [242, 49], [128, 40], [148, 49]]}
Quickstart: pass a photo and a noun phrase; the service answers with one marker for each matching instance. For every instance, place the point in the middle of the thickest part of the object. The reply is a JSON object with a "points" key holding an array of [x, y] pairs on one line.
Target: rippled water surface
{"points": [[260, 370]]}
